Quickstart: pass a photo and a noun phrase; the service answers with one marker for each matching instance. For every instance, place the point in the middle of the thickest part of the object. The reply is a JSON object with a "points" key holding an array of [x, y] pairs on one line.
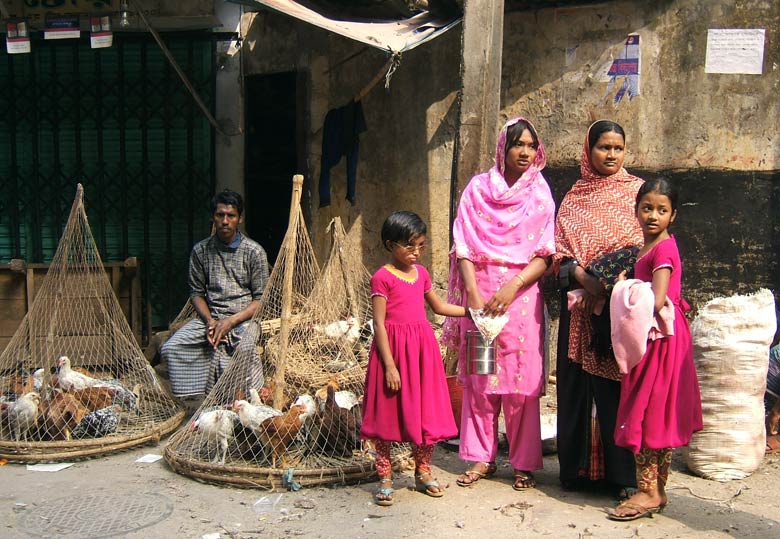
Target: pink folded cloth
{"points": [[573, 297], [633, 323]]}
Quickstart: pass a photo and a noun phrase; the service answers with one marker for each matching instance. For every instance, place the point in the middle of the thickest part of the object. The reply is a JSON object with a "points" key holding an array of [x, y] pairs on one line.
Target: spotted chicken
{"points": [[98, 423]]}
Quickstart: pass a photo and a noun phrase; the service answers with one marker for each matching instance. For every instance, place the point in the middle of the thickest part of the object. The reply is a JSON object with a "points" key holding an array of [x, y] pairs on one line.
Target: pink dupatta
{"points": [[500, 224]]}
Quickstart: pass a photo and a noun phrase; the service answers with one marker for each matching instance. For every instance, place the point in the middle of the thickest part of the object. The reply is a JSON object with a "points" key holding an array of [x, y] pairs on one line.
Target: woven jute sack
{"points": [[731, 338]]}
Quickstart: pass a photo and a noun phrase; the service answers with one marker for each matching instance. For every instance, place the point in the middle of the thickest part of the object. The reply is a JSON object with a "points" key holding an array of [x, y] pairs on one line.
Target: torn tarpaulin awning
{"points": [[395, 35]]}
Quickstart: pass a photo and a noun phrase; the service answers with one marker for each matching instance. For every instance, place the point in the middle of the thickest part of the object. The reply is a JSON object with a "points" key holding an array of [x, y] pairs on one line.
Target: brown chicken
{"points": [[322, 393], [24, 384], [277, 433], [266, 396], [338, 434], [95, 398], [60, 415]]}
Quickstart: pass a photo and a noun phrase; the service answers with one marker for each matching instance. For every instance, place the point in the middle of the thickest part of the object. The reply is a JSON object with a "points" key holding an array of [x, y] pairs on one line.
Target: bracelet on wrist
{"points": [[522, 279]]}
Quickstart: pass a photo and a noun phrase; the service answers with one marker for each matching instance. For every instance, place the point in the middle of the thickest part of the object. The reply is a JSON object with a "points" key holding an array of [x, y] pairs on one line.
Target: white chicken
{"points": [[22, 414], [254, 397], [217, 426], [70, 380], [309, 406], [344, 399], [38, 380], [349, 329], [252, 416]]}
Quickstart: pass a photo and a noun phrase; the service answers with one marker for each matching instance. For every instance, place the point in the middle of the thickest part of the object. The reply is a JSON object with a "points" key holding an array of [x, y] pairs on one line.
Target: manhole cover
{"points": [[97, 515]]}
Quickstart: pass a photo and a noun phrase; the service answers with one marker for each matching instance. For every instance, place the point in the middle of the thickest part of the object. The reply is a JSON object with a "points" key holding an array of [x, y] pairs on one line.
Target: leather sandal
{"points": [[471, 476], [524, 480]]}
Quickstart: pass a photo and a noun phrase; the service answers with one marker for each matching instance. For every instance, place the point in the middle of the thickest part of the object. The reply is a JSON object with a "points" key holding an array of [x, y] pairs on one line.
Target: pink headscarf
{"points": [[500, 224]]}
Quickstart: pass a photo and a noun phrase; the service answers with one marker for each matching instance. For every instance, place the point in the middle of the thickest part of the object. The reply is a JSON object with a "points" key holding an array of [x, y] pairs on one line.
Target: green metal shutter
{"points": [[119, 121]]}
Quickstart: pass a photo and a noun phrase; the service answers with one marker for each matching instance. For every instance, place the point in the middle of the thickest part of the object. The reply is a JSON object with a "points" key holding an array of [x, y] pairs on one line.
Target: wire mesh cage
{"points": [[286, 411], [74, 381]]}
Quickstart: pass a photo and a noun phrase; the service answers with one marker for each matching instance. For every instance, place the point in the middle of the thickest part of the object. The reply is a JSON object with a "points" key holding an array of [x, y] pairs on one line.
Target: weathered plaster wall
{"points": [[683, 119], [406, 153]]}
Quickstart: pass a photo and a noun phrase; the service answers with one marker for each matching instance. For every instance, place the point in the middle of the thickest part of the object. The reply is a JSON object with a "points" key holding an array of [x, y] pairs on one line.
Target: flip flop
{"points": [[773, 444], [469, 477], [386, 494], [430, 487], [641, 511]]}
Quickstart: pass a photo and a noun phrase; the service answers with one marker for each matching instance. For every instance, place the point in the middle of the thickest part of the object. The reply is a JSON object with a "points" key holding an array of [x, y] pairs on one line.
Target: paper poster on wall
{"points": [[17, 39], [735, 51], [62, 27], [626, 68], [101, 36]]}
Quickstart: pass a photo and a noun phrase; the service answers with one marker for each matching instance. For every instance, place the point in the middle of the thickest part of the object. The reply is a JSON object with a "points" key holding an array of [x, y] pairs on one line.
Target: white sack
{"points": [[731, 338]]}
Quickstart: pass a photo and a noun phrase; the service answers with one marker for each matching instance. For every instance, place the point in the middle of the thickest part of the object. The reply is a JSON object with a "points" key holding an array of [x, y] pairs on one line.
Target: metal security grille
{"points": [[120, 122]]}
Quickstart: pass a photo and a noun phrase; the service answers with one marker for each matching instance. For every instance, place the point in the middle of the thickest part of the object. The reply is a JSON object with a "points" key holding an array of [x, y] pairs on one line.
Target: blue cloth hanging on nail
{"points": [[340, 134]]}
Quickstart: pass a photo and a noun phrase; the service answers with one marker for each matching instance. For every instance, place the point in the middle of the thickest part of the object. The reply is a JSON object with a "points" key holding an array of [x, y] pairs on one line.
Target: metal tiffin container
{"points": [[480, 356]]}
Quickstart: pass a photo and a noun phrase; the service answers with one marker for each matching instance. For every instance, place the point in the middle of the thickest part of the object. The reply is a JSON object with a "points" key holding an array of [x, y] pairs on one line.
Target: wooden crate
{"points": [[20, 281]]}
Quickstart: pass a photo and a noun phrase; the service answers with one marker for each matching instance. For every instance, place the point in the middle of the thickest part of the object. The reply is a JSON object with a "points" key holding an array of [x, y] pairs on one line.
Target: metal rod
{"points": [[182, 75]]}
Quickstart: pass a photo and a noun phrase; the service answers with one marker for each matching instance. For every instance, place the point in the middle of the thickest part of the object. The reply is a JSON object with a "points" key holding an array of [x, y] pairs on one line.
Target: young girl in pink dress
{"points": [[660, 404], [406, 397]]}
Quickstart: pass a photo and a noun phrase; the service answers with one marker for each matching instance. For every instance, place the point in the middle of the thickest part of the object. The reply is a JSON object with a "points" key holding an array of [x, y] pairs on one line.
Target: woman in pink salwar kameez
{"points": [[502, 240]]}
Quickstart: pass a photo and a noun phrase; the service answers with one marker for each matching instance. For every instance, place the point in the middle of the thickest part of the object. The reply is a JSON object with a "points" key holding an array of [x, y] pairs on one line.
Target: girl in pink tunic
{"points": [[406, 397], [660, 404]]}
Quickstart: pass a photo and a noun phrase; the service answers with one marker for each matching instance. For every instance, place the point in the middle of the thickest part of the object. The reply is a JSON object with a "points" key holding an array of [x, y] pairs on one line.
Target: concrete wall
{"points": [[716, 134]]}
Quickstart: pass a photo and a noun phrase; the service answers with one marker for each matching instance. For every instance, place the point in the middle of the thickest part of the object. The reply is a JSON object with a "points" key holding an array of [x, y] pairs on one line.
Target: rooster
{"points": [[338, 432], [217, 426], [278, 433], [21, 415]]}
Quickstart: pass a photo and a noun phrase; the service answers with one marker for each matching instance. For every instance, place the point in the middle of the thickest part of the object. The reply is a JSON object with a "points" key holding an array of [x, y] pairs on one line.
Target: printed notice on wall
{"points": [[735, 51]]}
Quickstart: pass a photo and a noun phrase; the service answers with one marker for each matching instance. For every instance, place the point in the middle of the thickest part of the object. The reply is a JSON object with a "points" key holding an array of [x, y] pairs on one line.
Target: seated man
{"points": [[228, 273]]}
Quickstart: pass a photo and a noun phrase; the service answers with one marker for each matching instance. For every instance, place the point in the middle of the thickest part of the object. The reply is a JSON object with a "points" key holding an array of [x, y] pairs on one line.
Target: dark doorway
{"points": [[271, 156]]}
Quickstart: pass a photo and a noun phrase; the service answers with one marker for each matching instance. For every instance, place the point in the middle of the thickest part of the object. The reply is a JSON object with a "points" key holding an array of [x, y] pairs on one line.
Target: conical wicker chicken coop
{"points": [[286, 412], [74, 381]]}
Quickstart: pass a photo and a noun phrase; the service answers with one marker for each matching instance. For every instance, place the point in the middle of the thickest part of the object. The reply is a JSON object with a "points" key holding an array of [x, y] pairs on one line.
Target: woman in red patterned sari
{"points": [[596, 217]]}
